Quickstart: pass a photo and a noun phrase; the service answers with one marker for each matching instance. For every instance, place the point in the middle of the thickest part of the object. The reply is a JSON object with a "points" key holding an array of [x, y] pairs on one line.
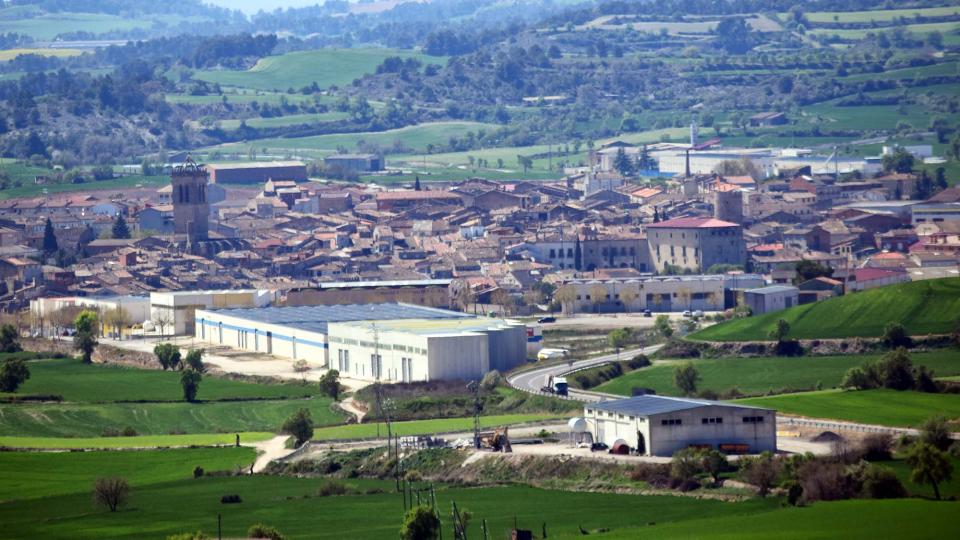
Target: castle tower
{"points": [[191, 210]]}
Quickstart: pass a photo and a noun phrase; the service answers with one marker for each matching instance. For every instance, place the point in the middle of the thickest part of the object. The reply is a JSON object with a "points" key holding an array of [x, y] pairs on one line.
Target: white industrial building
{"points": [[389, 342], [659, 425], [177, 309], [136, 308]]}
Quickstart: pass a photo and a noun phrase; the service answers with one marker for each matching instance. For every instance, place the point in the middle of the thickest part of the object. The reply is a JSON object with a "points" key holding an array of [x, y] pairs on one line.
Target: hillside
{"points": [[923, 307]]}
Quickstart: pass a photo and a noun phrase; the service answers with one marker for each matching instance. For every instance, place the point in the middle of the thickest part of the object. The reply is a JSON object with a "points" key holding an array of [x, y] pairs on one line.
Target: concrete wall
{"points": [[464, 356], [664, 440]]}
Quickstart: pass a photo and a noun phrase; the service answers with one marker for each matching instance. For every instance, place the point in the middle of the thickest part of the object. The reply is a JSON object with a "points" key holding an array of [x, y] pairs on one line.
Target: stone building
{"points": [[695, 243]]}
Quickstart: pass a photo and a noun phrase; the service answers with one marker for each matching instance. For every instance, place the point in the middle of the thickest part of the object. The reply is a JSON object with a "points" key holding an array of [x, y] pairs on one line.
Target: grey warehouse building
{"points": [[660, 425]]}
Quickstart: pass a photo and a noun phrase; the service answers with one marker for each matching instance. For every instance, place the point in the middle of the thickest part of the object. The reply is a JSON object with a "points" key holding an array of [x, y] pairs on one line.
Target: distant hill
{"points": [[923, 307]]}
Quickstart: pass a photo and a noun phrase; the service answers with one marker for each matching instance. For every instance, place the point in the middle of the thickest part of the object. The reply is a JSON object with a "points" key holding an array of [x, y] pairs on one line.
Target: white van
{"points": [[552, 354]]}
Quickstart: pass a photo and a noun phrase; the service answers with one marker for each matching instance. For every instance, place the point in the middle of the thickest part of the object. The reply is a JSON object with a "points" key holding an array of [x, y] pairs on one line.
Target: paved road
{"points": [[534, 379]]}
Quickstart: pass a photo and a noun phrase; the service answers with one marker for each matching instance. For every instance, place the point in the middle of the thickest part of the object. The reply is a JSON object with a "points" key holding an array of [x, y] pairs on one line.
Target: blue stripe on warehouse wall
{"points": [[281, 337]]}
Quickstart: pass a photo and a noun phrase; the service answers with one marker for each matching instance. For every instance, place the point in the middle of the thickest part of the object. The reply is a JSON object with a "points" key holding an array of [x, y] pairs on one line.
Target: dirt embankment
{"points": [[103, 354]]}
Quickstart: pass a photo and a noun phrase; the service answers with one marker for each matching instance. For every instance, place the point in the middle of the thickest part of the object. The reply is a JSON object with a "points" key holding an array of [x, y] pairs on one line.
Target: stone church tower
{"points": [[191, 211]]}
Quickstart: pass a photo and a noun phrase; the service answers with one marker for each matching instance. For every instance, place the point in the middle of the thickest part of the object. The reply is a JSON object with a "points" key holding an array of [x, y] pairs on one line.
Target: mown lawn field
{"points": [[283, 121], [139, 441], [93, 419], [295, 70], [424, 427], [97, 383], [47, 26], [923, 307], [769, 374], [39, 474], [882, 407]]}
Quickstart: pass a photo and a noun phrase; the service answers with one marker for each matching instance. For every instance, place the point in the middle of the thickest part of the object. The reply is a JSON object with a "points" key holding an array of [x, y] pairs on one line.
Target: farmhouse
{"points": [[388, 342], [659, 425], [772, 298]]}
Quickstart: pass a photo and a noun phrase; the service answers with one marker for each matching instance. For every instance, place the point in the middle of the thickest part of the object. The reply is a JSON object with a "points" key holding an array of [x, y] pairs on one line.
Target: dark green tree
{"points": [[330, 384], [85, 338], [416, 183], [9, 339], [13, 373], [168, 355], [929, 465], [194, 360], [120, 229], [420, 523], [685, 378], [941, 181], [577, 254], [622, 163], [49, 238], [807, 270], [923, 188], [300, 425], [899, 161], [780, 331], [190, 382]]}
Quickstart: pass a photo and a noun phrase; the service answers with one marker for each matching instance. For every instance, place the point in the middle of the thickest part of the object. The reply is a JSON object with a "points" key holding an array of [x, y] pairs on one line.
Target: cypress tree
{"points": [[49, 238], [120, 229], [416, 184], [577, 255]]}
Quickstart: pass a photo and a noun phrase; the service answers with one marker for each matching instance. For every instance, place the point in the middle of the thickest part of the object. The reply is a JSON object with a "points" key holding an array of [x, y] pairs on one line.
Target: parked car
{"points": [[545, 320], [647, 313], [697, 314], [687, 313]]}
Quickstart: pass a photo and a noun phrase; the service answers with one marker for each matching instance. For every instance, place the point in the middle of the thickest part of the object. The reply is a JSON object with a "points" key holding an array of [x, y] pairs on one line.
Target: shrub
{"points": [[13, 373], [895, 335], [413, 475], [300, 425], [188, 536], [262, 531], [826, 481], [881, 483], [877, 447], [197, 471], [685, 464], [331, 488], [491, 380], [639, 361], [689, 484], [761, 471], [129, 432], [655, 474], [190, 383], [934, 431], [230, 499], [420, 523]]}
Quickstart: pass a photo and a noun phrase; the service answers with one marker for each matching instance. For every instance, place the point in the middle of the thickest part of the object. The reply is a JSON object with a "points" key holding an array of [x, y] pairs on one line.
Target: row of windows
{"points": [[559, 253], [714, 420], [752, 419], [371, 345], [671, 422]]}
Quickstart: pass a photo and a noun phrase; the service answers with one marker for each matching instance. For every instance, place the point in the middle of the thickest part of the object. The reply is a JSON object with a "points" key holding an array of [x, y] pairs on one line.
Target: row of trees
{"points": [[191, 367]]}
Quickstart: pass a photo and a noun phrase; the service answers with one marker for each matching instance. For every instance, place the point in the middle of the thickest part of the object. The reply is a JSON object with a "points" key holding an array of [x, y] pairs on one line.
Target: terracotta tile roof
{"points": [[691, 223]]}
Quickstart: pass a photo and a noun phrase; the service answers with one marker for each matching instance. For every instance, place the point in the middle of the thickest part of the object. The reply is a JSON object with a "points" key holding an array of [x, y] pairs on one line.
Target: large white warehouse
{"points": [[388, 342], [659, 425]]}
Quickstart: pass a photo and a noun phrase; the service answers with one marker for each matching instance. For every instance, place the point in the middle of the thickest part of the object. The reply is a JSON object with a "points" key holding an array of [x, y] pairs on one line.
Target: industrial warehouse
{"points": [[389, 342], [659, 425]]}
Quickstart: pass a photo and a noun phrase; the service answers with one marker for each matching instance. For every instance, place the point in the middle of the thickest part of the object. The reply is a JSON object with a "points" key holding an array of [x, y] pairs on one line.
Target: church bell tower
{"points": [[191, 210]]}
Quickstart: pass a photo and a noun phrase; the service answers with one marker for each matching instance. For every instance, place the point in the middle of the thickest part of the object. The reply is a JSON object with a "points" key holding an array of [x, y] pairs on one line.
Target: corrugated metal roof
{"points": [[773, 289], [316, 318], [651, 405]]}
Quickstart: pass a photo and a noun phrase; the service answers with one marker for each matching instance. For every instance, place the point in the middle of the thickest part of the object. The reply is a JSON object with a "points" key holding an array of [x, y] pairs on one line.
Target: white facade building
{"points": [[387, 342], [177, 309], [659, 425]]}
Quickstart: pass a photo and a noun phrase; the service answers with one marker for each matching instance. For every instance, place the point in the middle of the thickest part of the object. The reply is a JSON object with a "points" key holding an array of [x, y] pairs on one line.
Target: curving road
{"points": [[535, 379]]}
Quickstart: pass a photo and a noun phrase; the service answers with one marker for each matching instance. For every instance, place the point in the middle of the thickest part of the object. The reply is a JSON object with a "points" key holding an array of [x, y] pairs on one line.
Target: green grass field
{"points": [[882, 407], [273, 98], [292, 505], [91, 420], [423, 427], [923, 307], [850, 520], [97, 383], [860, 33], [40, 474], [880, 15], [295, 70], [30, 189], [283, 121], [140, 441], [934, 70], [762, 375], [950, 488], [321, 145]]}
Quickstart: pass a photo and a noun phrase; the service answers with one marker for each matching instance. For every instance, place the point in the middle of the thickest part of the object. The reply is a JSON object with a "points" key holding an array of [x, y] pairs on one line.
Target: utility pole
{"points": [[474, 387]]}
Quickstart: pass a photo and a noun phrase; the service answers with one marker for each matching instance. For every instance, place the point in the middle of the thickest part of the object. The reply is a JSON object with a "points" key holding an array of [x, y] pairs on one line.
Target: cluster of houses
{"points": [[693, 241]]}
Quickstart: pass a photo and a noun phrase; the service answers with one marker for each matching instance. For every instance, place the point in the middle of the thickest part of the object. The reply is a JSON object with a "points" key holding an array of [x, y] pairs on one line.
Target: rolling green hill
{"points": [[761, 375], [326, 67], [923, 307], [882, 406]]}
